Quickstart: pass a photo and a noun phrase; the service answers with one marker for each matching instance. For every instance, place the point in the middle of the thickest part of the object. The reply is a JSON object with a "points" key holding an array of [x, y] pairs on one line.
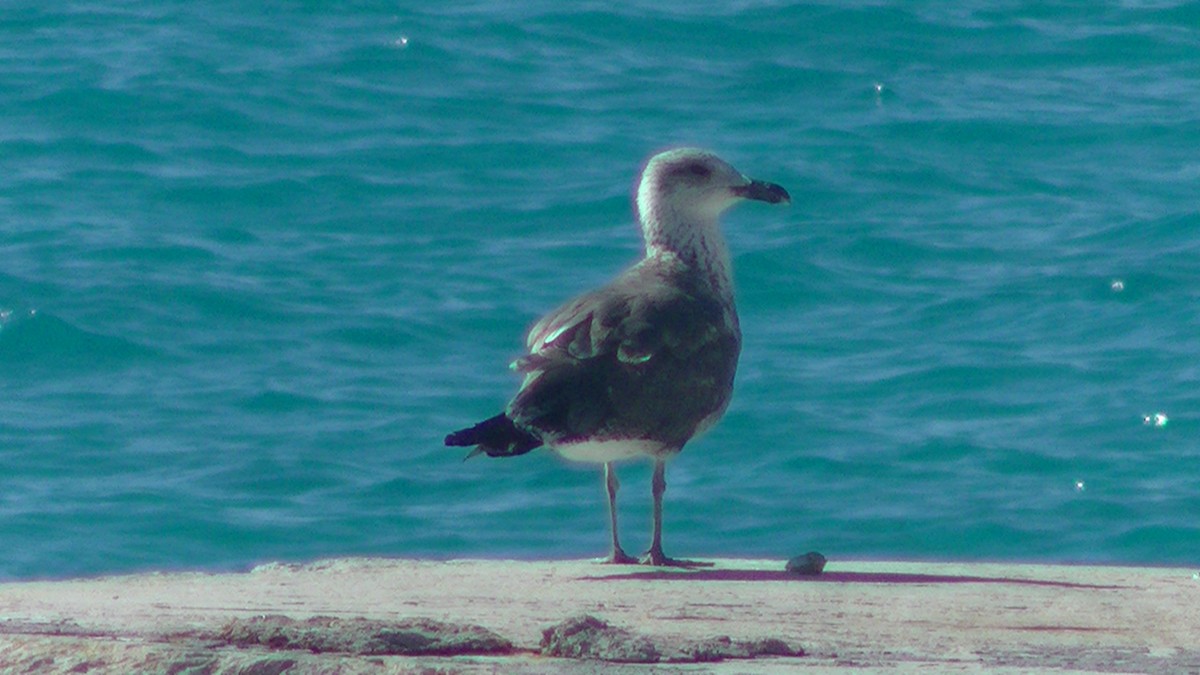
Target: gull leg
{"points": [[617, 556], [655, 556]]}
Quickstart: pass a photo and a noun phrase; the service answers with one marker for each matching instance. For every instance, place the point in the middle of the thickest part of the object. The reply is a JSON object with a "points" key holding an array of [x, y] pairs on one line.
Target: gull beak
{"points": [[764, 192]]}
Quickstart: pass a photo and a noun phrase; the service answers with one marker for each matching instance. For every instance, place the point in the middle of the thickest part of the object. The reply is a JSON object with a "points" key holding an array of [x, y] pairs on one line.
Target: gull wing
{"points": [[651, 351], [634, 318]]}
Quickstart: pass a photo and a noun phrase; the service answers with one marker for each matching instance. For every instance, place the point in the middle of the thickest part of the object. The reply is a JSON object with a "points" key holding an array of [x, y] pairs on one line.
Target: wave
{"points": [[34, 339]]}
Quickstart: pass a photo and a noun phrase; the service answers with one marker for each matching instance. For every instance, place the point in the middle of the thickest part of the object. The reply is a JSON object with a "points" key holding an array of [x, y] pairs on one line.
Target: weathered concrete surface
{"points": [[360, 615]]}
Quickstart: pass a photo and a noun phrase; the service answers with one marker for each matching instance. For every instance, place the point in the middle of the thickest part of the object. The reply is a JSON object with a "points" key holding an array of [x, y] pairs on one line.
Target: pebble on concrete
{"points": [[809, 564]]}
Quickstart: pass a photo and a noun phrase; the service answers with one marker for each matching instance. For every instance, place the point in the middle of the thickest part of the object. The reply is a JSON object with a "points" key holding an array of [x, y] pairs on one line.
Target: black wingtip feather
{"points": [[496, 436]]}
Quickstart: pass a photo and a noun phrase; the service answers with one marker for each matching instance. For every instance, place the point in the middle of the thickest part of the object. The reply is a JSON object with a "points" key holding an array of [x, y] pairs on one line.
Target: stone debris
{"points": [[724, 647], [587, 637], [320, 634]]}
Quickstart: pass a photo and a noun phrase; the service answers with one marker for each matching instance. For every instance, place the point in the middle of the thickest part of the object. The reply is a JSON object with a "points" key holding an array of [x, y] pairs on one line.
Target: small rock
{"points": [[809, 564]]}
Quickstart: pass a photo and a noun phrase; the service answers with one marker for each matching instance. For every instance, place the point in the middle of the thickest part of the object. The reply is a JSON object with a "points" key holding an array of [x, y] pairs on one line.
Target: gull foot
{"points": [[619, 557], [657, 559]]}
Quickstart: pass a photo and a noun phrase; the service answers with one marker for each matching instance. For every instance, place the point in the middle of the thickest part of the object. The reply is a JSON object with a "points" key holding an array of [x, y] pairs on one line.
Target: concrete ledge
{"points": [[388, 615]]}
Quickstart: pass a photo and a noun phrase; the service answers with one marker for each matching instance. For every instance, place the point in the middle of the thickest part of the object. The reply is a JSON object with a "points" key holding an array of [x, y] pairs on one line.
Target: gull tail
{"points": [[496, 436]]}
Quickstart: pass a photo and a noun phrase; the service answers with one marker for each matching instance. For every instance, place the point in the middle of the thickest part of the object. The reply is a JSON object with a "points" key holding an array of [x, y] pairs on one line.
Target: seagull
{"points": [[644, 364]]}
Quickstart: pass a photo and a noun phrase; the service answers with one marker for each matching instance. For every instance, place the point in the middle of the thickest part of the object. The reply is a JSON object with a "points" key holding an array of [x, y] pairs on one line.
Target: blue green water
{"points": [[256, 262]]}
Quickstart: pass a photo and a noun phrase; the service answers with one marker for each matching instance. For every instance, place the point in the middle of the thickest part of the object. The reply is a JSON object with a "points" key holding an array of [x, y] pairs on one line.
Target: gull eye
{"points": [[699, 170]]}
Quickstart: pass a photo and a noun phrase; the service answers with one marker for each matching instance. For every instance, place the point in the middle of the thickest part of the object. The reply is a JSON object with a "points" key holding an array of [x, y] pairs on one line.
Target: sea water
{"points": [[256, 262]]}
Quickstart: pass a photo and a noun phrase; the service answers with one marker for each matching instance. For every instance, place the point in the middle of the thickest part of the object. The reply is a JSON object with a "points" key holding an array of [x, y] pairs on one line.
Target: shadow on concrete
{"points": [[832, 577]]}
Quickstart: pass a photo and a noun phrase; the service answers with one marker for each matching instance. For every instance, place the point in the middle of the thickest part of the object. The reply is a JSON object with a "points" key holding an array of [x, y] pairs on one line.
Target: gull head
{"points": [[688, 188]]}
